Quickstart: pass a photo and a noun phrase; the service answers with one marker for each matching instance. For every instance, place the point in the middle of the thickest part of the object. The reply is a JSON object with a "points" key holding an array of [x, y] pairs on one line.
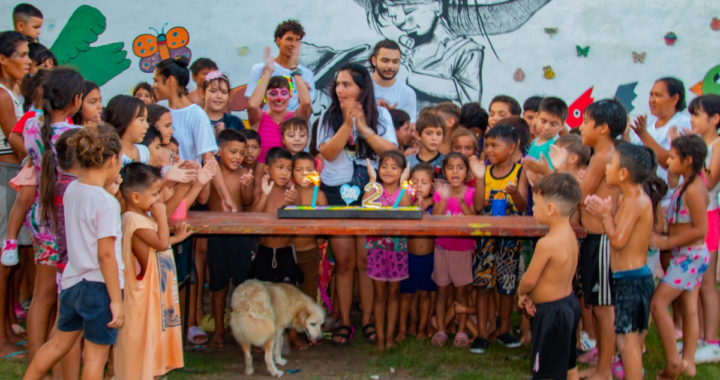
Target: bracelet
{"points": [[295, 72]]}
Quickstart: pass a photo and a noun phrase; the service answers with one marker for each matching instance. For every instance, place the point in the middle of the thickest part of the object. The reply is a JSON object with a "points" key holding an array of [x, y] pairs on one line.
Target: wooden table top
{"points": [[250, 223]]}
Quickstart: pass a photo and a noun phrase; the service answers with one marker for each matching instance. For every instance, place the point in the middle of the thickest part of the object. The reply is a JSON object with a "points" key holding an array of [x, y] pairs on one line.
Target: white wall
{"points": [[612, 28]]}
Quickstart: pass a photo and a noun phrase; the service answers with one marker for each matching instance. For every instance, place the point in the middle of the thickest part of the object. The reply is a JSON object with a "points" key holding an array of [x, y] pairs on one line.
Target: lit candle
{"points": [[404, 186], [314, 177]]}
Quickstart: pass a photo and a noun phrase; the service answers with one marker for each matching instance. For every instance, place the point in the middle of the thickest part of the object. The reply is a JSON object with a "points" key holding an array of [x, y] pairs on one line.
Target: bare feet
{"points": [[587, 372], [691, 370], [199, 315], [672, 371], [217, 341], [380, 345], [422, 334], [525, 337], [400, 337], [412, 329], [389, 342], [297, 343]]}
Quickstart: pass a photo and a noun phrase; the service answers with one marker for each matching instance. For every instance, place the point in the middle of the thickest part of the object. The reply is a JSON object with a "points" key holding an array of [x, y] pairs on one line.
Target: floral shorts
{"points": [[687, 267], [46, 250]]}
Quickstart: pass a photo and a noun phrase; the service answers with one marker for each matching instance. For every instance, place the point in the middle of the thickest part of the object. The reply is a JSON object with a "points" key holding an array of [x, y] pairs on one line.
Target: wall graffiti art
{"points": [[710, 84], [153, 49], [441, 61], [72, 47]]}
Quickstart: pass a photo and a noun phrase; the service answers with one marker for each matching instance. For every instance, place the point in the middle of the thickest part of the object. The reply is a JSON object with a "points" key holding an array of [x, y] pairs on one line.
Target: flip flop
{"points": [[16, 353], [367, 334], [18, 344], [194, 332], [348, 337]]}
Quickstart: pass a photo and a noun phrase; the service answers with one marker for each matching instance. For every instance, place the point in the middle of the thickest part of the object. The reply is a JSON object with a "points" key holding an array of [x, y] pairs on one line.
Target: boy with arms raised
{"points": [[429, 131], [228, 256], [603, 122], [546, 289], [628, 232]]}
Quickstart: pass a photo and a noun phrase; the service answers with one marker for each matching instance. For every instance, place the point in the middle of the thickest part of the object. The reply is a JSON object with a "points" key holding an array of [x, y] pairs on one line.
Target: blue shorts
{"points": [[86, 306], [421, 269]]}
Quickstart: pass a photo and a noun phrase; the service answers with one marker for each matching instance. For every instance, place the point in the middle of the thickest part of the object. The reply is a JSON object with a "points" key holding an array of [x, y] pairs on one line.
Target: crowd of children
{"points": [[97, 187]]}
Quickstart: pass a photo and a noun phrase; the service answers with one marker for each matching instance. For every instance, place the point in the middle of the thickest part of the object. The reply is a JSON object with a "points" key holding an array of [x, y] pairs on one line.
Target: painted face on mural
{"points": [[414, 17], [387, 63]]}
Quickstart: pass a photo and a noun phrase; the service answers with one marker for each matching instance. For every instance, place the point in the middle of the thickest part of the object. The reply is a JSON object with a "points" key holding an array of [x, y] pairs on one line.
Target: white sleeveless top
{"points": [[716, 191], [4, 144]]}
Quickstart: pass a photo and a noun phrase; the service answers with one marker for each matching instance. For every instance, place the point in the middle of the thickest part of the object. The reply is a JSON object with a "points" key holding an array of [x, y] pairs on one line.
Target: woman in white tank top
{"points": [[14, 48]]}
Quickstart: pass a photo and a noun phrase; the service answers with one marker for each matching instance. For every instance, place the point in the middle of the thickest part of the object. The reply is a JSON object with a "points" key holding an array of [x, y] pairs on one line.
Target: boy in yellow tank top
{"points": [[495, 262]]}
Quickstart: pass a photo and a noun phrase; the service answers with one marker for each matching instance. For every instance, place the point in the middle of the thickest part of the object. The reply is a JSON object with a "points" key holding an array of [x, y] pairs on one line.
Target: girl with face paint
{"points": [[276, 92]]}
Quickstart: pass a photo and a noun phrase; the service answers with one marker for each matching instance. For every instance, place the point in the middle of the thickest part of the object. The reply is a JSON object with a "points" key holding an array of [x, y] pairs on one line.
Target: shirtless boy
{"points": [[628, 232], [228, 256], [603, 122], [546, 289]]}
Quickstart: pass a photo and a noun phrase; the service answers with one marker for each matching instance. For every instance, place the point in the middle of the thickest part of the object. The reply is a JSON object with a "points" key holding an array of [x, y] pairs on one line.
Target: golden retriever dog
{"points": [[261, 311]]}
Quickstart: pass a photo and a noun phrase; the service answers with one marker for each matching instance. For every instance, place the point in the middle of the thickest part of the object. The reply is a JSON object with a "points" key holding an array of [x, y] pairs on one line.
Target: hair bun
{"points": [[182, 61]]}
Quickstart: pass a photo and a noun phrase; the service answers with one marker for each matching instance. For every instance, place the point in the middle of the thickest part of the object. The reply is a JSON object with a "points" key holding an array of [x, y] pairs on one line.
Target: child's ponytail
{"points": [[60, 89], [94, 145], [694, 147]]}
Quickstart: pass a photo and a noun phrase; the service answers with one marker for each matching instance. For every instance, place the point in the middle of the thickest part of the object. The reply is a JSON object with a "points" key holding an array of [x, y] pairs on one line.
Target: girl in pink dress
{"points": [[274, 93], [387, 258]]}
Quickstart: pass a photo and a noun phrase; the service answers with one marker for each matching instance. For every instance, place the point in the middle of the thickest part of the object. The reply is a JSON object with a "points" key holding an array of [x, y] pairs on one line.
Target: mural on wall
{"points": [[153, 49], [710, 84], [442, 62], [72, 47]]}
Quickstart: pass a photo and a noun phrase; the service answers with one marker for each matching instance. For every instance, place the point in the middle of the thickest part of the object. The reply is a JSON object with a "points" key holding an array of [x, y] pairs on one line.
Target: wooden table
{"points": [[250, 223]]}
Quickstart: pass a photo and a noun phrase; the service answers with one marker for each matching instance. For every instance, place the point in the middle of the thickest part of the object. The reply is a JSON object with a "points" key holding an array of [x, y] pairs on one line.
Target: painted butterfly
{"points": [[639, 57], [551, 31], [153, 49], [582, 51]]}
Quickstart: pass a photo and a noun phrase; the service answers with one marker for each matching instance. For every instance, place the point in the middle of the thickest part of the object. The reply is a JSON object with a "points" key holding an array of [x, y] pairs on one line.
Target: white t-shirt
{"points": [[340, 171], [143, 153], [293, 104], [401, 94], [192, 130], [91, 213], [660, 135]]}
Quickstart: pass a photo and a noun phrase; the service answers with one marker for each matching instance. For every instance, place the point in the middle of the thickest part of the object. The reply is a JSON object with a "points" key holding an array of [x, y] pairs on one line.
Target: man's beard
{"points": [[382, 75]]}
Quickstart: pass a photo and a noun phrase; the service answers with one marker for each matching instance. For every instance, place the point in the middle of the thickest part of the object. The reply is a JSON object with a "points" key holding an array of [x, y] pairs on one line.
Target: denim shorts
{"points": [[86, 306]]}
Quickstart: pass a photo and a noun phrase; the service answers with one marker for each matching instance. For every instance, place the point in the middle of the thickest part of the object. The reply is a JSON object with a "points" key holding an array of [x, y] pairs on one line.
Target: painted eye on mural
{"points": [[153, 49], [716, 78], [577, 113]]}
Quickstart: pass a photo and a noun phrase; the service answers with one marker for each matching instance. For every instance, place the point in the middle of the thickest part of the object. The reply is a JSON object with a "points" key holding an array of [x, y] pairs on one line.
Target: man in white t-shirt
{"points": [[288, 36], [389, 92]]}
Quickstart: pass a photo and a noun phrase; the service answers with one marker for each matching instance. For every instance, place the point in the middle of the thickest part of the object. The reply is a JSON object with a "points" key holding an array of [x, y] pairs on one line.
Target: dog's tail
{"points": [[252, 317]]}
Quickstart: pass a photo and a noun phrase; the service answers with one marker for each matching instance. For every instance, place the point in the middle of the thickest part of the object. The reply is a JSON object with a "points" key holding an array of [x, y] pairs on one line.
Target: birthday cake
{"points": [[370, 209], [349, 212]]}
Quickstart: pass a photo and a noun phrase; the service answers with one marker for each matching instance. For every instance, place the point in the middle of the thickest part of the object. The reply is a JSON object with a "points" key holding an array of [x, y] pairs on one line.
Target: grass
{"points": [[413, 359]]}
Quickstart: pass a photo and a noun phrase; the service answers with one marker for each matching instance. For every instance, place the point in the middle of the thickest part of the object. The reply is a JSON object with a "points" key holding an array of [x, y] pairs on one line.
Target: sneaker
{"points": [[680, 345], [9, 253], [479, 346], [708, 353], [509, 340], [586, 344]]}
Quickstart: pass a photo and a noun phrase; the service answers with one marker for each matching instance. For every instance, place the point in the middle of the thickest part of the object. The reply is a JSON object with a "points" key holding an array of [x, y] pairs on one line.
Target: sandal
{"points": [[367, 334], [348, 337], [461, 340], [439, 339], [196, 335], [16, 353]]}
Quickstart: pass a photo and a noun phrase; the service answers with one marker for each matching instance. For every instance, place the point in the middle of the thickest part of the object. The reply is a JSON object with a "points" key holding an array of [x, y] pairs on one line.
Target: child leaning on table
{"points": [[546, 290]]}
